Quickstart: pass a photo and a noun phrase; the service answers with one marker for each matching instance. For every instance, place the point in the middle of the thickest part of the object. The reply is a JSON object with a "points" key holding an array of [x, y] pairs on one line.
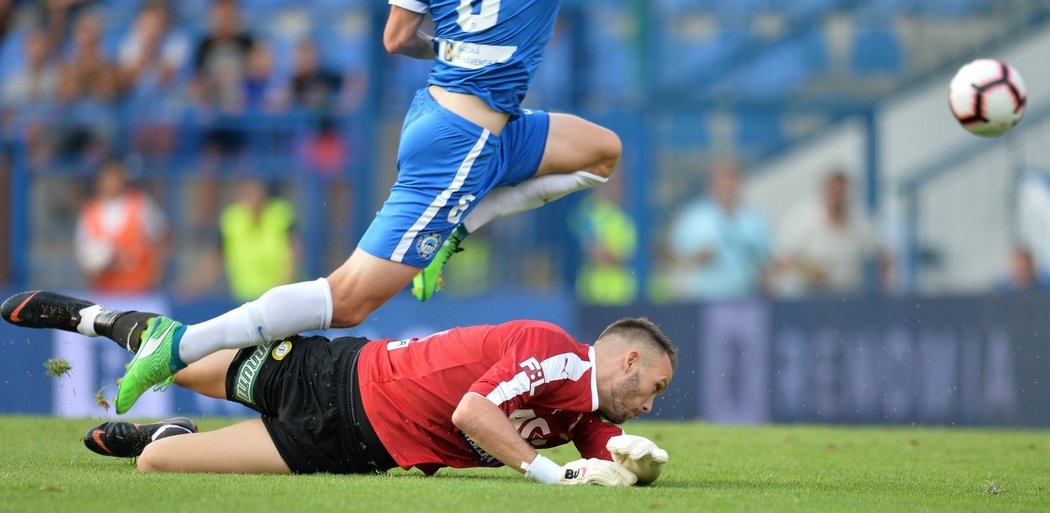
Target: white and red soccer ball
{"points": [[987, 96]]}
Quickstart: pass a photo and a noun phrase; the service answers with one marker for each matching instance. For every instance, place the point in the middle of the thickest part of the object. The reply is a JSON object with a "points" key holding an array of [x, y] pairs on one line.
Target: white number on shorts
{"points": [[486, 17], [457, 211]]}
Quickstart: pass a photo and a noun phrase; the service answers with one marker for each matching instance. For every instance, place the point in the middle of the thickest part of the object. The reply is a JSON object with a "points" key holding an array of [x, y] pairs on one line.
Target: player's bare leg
{"points": [[207, 376], [362, 284], [578, 155], [244, 448]]}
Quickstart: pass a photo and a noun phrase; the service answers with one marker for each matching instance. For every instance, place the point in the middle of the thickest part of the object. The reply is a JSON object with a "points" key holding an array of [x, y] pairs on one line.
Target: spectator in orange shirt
{"points": [[120, 216]]}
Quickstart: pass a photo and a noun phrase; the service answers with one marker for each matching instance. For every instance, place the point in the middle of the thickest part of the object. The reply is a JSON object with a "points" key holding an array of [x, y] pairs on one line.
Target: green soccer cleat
{"points": [[155, 363], [429, 280]]}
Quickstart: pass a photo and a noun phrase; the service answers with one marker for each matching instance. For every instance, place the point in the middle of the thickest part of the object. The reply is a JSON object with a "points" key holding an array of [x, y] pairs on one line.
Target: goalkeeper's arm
{"points": [[489, 427]]}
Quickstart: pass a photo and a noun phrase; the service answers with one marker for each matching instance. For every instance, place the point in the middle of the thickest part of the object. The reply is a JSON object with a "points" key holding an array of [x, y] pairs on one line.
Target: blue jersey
{"points": [[488, 48]]}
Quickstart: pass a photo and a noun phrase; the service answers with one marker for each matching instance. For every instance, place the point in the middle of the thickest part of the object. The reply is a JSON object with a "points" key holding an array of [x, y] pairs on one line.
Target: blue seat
{"points": [[550, 90], [759, 130], [121, 12], [192, 13], [797, 10], [609, 65], [334, 7], [950, 8], [694, 65], [876, 51], [776, 72], [687, 129], [343, 51], [12, 53], [740, 10], [881, 11]]}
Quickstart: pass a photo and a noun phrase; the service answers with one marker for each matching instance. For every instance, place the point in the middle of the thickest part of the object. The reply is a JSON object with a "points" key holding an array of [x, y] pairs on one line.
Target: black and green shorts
{"points": [[306, 390]]}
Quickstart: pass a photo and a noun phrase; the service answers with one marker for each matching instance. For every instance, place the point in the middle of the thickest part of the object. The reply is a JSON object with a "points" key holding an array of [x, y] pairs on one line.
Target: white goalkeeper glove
{"points": [[639, 455], [596, 471]]}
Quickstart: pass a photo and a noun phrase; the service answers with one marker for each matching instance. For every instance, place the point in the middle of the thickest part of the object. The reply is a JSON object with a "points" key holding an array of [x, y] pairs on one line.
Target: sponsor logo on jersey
{"points": [[281, 350], [427, 244], [473, 55], [397, 344]]}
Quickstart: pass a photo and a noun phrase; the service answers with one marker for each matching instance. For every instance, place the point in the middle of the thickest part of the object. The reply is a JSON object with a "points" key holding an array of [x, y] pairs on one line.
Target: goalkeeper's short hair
{"points": [[642, 329]]}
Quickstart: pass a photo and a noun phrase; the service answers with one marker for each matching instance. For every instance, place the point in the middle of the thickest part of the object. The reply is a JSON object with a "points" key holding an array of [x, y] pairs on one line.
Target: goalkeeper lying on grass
{"points": [[467, 397]]}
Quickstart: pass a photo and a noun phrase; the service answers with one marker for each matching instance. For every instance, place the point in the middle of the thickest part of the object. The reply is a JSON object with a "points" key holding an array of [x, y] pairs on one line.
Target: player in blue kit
{"points": [[468, 154]]}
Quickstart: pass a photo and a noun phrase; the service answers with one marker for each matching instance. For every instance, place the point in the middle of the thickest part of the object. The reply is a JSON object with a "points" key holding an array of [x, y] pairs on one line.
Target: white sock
{"points": [[280, 312], [87, 320], [527, 195]]}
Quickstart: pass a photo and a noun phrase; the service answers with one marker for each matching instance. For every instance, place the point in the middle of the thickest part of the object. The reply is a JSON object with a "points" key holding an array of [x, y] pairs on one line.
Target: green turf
{"points": [[713, 468]]}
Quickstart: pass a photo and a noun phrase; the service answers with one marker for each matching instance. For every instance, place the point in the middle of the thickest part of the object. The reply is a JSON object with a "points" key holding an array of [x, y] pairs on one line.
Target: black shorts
{"points": [[306, 390]]}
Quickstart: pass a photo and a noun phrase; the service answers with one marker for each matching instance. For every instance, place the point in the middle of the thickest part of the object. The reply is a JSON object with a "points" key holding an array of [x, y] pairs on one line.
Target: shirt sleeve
{"points": [[590, 435], [541, 365], [412, 5]]}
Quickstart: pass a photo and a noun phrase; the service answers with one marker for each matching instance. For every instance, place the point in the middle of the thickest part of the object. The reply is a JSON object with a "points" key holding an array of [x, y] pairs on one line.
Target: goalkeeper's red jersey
{"points": [[535, 372]]}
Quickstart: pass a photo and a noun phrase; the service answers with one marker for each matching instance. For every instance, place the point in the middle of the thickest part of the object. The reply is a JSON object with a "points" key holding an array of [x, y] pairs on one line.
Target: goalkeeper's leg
{"points": [[244, 448]]}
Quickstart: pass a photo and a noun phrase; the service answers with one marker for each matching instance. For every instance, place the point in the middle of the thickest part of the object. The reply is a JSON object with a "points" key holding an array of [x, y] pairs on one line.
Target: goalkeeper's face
{"points": [[635, 390]]}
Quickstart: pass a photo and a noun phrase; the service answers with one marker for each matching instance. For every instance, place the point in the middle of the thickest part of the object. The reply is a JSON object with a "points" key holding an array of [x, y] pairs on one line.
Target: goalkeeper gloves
{"points": [[596, 471], [639, 455], [579, 472]]}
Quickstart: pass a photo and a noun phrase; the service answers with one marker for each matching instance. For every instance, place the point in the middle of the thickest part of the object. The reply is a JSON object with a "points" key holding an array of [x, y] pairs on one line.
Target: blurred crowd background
{"points": [[220, 147]]}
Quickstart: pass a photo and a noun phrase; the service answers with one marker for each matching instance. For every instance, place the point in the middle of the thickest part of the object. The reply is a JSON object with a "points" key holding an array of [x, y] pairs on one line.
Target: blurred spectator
{"points": [[26, 97], [261, 92], [321, 94], [7, 13], [121, 238], [826, 248], [719, 247], [62, 14], [150, 60], [258, 248], [220, 65], [315, 90], [1024, 273], [87, 87], [318, 92], [608, 239]]}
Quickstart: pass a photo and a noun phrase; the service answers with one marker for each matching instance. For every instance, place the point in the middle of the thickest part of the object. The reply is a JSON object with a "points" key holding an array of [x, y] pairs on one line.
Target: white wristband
{"points": [[542, 469]]}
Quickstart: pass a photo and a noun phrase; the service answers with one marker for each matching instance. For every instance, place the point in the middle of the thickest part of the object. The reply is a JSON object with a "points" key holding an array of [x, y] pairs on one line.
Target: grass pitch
{"points": [[45, 467]]}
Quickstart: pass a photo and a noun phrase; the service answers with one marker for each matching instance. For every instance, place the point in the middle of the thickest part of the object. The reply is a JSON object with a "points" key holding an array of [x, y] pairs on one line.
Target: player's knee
{"points": [[151, 459], [347, 314], [607, 151]]}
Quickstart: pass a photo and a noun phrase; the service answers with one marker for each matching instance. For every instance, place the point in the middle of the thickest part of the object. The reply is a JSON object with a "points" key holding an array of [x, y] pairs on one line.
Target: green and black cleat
{"points": [[43, 309], [127, 440]]}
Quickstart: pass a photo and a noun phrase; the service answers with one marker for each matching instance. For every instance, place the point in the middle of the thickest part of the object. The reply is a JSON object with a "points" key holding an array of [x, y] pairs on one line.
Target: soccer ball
{"points": [[987, 97]]}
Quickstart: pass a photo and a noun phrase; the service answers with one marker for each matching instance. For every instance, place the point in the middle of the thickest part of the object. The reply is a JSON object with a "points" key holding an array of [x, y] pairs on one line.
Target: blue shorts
{"points": [[445, 165]]}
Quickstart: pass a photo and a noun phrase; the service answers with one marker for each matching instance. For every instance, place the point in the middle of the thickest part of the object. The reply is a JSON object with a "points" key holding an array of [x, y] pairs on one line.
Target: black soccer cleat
{"points": [[43, 309], [127, 440]]}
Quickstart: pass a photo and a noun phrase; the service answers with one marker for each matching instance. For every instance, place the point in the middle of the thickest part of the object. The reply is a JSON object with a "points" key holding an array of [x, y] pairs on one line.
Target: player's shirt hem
{"points": [[412, 5]]}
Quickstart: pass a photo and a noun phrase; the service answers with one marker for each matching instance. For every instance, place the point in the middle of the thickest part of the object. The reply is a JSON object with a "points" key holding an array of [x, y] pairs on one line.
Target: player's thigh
{"points": [[207, 376], [575, 144], [241, 448], [363, 283]]}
